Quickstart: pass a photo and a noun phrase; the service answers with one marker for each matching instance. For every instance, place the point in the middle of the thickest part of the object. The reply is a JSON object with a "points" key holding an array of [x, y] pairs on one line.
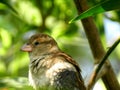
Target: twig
{"points": [[98, 68], [107, 54]]}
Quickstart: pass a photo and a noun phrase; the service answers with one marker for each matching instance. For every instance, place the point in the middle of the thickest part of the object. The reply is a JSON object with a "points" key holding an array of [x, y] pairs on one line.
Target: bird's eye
{"points": [[36, 43]]}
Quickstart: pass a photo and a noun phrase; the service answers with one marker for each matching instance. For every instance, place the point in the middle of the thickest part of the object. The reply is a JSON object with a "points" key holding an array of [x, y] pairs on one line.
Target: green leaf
{"points": [[107, 5]]}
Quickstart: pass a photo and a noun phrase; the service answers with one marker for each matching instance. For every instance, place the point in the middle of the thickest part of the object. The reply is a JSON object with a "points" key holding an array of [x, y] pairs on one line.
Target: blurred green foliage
{"points": [[46, 16]]}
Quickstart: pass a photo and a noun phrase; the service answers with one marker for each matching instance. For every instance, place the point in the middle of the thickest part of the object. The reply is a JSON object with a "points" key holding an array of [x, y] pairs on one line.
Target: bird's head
{"points": [[40, 44]]}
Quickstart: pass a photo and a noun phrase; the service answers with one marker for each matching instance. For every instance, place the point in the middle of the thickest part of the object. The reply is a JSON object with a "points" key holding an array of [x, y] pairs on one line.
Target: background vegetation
{"points": [[51, 17]]}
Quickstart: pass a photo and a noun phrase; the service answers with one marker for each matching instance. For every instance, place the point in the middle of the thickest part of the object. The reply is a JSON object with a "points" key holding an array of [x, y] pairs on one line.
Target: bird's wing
{"points": [[71, 78]]}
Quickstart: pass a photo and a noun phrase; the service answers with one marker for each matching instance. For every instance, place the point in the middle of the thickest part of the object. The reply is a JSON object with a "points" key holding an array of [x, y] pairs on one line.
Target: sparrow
{"points": [[50, 68]]}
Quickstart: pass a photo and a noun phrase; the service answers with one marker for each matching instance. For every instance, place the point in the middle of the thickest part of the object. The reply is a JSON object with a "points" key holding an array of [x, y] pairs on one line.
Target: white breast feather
{"points": [[49, 75]]}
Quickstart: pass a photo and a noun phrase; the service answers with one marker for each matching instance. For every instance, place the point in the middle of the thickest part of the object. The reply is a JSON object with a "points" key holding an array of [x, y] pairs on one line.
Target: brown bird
{"points": [[50, 68]]}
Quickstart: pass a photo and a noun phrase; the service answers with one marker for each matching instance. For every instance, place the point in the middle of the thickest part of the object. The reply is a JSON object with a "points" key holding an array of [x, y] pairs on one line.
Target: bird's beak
{"points": [[26, 48]]}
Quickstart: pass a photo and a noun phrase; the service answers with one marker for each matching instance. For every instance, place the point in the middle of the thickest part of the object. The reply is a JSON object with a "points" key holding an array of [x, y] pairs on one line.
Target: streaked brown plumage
{"points": [[50, 68]]}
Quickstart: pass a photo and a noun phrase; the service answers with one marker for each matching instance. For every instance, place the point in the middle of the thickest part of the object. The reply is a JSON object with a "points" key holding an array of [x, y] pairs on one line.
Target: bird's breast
{"points": [[48, 76]]}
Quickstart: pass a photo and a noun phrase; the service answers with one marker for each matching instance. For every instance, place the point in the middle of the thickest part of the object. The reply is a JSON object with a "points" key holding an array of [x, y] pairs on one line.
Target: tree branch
{"points": [[106, 56], [109, 77], [97, 69]]}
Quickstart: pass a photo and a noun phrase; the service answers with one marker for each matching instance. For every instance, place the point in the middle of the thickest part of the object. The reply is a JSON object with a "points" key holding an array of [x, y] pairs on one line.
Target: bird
{"points": [[50, 68]]}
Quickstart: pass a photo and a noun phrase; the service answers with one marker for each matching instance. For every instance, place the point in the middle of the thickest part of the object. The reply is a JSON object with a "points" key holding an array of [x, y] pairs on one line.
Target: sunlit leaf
{"points": [[99, 8], [6, 38], [29, 13]]}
